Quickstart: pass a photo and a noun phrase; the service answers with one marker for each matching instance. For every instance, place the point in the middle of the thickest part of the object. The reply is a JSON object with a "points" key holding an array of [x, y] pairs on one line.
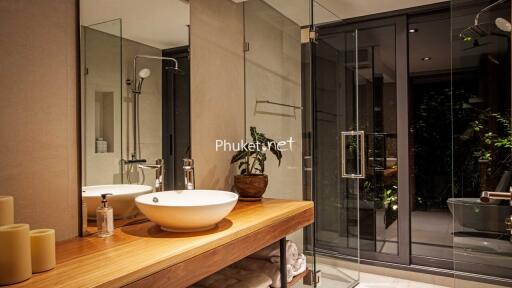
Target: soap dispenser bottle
{"points": [[105, 218]]}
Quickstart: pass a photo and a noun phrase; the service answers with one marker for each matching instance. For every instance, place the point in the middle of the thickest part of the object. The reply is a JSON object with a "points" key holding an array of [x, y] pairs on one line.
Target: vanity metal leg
{"points": [[282, 261]]}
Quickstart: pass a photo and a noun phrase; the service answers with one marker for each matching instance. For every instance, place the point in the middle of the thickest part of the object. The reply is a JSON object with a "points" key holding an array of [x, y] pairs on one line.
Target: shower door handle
{"points": [[360, 147]]}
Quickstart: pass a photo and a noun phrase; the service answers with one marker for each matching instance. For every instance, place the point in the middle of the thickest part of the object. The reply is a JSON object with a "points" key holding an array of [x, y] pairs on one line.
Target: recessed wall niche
{"points": [[104, 121]]}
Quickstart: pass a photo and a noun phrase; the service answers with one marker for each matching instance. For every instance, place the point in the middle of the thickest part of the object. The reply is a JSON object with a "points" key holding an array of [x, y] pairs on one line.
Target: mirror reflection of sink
{"points": [[187, 210], [121, 200]]}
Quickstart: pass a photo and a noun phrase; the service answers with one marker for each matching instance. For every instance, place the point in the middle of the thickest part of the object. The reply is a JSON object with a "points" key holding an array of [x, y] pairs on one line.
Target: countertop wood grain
{"points": [[138, 253]]}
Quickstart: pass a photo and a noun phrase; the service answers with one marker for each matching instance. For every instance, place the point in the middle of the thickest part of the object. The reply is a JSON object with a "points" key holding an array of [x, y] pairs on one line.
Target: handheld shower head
{"points": [[144, 73], [503, 24]]}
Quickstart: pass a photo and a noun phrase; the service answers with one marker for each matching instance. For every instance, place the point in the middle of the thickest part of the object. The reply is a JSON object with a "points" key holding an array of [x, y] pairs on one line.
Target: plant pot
{"points": [[251, 187]]}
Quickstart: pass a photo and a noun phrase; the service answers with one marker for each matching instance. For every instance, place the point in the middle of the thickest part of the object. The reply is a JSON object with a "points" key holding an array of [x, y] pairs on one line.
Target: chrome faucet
{"points": [[188, 169], [159, 173], [491, 197]]}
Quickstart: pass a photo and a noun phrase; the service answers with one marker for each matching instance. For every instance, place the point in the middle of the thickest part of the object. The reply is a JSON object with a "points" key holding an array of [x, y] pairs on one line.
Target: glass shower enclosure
{"points": [[279, 97], [481, 131], [359, 103], [362, 174], [355, 94]]}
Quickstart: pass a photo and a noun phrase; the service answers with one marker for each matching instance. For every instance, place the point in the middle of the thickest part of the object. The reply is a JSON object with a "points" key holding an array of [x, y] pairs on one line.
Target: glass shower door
{"points": [[360, 140], [338, 156]]}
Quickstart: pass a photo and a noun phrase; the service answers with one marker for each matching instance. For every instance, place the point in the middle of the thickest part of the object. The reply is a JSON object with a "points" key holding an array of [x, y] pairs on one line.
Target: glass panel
{"points": [[335, 110], [273, 99], [481, 137], [101, 104], [378, 118], [431, 154]]}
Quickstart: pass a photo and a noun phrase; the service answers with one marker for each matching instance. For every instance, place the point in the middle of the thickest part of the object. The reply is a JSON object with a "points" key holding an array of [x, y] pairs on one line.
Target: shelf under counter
{"points": [[142, 255]]}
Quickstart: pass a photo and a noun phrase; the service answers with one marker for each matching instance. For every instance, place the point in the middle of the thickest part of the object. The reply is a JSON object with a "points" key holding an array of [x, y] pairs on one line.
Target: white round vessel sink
{"points": [[187, 210], [121, 200]]}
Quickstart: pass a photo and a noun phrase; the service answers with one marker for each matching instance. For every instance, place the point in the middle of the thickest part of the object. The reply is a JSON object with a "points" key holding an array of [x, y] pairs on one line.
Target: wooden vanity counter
{"points": [[142, 255]]}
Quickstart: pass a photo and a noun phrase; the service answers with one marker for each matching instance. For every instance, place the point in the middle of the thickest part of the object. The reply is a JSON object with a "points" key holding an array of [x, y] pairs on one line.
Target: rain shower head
{"points": [[478, 30], [473, 32], [175, 70]]}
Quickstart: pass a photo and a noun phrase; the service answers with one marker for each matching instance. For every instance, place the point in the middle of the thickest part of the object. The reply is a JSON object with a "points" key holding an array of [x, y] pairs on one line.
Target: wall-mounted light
{"points": [[413, 30], [426, 58]]}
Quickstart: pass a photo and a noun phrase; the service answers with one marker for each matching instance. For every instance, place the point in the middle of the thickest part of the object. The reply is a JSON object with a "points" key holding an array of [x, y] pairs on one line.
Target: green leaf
{"points": [[261, 162], [240, 155], [259, 157], [241, 164]]}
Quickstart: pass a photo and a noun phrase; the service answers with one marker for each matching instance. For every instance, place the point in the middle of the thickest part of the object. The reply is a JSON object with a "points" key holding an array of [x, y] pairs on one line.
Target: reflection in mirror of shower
{"points": [[477, 29], [104, 121], [136, 162]]}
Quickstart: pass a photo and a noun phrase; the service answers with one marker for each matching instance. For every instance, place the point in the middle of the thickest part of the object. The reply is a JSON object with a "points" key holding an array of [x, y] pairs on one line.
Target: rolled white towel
{"points": [[268, 268], [299, 266], [271, 253], [296, 268]]}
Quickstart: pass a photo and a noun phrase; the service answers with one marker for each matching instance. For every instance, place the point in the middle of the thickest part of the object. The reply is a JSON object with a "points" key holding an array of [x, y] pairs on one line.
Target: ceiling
{"points": [[333, 10], [167, 26], [420, 46], [158, 23]]}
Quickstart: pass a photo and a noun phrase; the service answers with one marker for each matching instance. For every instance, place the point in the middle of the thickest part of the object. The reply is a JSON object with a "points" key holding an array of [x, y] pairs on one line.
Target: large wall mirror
{"points": [[135, 101]]}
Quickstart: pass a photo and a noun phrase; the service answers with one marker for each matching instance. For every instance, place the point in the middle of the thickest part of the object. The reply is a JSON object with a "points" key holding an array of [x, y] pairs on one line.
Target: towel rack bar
{"points": [[279, 104]]}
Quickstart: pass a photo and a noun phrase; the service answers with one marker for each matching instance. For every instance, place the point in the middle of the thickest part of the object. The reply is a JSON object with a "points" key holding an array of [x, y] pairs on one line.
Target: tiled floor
{"points": [[377, 281], [338, 277], [340, 274]]}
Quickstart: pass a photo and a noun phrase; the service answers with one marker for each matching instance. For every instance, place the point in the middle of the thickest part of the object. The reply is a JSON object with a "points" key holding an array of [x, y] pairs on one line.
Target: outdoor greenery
{"points": [[490, 142]]}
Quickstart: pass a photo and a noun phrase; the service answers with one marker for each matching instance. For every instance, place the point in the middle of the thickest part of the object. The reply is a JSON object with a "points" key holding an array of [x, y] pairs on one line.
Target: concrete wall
{"points": [[38, 112], [273, 72], [217, 88]]}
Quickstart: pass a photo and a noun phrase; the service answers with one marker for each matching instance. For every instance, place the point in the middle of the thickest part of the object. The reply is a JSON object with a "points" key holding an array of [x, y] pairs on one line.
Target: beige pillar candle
{"points": [[6, 210], [43, 249], [15, 262]]}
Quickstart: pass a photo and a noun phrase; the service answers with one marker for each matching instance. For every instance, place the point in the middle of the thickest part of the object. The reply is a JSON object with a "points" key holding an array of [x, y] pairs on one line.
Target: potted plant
{"points": [[252, 181]]}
